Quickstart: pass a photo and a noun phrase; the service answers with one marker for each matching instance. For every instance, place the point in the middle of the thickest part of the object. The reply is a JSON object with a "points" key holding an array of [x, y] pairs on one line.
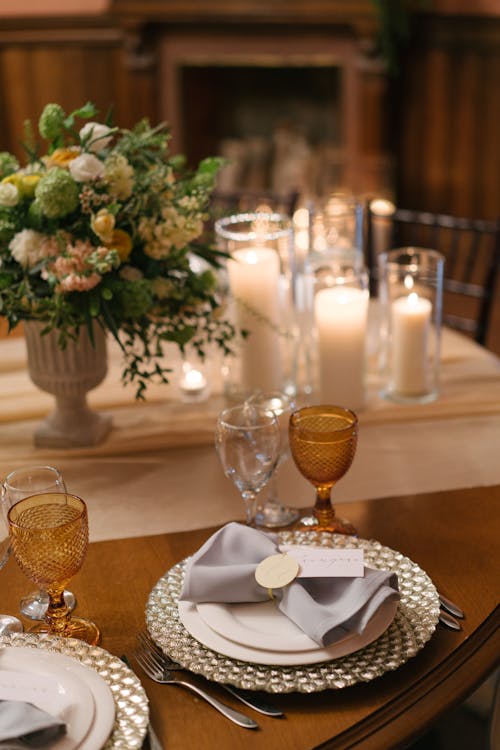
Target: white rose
{"points": [[26, 247], [96, 136], [9, 195], [86, 167]]}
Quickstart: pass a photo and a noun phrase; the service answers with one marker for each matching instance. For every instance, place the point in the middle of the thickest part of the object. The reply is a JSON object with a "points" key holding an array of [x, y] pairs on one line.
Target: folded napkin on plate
{"points": [[23, 725], [326, 609]]}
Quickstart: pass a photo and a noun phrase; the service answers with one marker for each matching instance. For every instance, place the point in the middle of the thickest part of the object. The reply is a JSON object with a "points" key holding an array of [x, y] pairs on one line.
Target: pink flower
{"points": [[75, 283]]}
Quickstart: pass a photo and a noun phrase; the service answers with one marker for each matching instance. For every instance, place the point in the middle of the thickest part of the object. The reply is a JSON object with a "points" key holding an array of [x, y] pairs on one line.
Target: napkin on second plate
{"points": [[326, 609], [23, 726]]}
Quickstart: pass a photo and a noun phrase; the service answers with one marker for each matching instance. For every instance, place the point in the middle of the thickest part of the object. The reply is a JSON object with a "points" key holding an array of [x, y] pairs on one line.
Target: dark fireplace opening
{"points": [[281, 128]]}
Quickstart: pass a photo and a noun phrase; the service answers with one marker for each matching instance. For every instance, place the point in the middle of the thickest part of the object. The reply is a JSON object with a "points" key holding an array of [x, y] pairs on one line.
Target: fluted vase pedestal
{"points": [[68, 374]]}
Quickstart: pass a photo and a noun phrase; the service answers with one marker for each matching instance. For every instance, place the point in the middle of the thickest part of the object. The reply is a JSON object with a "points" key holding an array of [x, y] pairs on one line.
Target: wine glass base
{"points": [[334, 526], [10, 624], [34, 606], [76, 627], [272, 516]]}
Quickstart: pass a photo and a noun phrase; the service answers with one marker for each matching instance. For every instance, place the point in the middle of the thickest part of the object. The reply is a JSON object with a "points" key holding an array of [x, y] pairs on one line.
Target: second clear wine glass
{"points": [[272, 513], [247, 439], [17, 485]]}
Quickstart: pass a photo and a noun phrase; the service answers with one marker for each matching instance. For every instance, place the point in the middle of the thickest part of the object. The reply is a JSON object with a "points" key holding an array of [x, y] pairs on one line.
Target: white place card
{"points": [[325, 562]]}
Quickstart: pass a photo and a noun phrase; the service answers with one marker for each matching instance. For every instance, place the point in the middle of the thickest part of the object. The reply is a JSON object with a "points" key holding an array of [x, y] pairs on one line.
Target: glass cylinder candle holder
{"points": [[340, 319], [260, 276], [336, 230], [410, 295]]}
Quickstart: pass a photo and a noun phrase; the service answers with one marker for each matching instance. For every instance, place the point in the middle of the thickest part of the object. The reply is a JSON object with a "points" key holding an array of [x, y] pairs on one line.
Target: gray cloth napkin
{"points": [[23, 725], [326, 609]]}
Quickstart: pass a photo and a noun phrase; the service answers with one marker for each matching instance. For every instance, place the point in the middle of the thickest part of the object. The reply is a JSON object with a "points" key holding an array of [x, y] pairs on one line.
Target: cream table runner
{"points": [[158, 470]]}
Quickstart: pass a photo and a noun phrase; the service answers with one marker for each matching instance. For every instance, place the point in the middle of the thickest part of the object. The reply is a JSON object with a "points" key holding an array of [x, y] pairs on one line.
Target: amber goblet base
{"points": [[76, 627]]}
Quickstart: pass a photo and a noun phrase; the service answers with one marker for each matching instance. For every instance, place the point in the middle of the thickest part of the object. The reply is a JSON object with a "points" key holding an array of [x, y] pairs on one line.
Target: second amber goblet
{"points": [[323, 442], [49, 538]]}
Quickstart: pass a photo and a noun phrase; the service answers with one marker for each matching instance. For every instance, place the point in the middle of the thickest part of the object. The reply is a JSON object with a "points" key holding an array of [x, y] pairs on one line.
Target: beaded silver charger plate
{"points": [[131, 703], [413, 625]]}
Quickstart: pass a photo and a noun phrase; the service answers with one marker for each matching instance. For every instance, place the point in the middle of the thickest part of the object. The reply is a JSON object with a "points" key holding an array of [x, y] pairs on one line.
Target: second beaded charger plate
{"points": [[411, 628]]}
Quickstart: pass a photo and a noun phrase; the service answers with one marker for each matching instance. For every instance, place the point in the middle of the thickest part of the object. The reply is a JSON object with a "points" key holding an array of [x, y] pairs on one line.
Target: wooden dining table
{"points": [[452, 535]]}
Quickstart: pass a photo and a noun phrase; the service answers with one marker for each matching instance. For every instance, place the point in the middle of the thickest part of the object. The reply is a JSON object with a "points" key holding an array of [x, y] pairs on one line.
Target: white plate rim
{"points": [[77, 710], [198, 628], [230, 621], [103, 702], [131, 702]]}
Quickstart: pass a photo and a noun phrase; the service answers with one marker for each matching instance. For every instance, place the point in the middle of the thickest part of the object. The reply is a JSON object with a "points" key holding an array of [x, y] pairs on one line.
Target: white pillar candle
{"points": [[254, 279], [411, 323], [340, 315]]}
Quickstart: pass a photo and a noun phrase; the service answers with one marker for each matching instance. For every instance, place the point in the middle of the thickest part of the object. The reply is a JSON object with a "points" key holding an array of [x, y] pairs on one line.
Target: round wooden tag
{"points": [[276, 571]]}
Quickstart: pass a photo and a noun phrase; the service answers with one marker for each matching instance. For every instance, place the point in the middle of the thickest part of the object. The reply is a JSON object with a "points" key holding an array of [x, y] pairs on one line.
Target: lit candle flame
{"points": [[408, 282]]}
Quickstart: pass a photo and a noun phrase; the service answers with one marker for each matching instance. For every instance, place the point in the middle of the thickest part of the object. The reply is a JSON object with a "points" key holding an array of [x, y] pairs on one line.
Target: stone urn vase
{"points": [[68, 374]]}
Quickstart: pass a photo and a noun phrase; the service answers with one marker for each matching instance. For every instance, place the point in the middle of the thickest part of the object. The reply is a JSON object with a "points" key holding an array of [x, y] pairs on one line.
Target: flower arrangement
{"points": [[103, 226]]}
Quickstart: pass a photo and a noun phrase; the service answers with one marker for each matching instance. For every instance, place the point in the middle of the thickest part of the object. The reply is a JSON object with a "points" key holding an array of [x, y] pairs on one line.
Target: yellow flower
{"points": [[103, 224], [61, 157], [28, 184], [14, 179], [121, 242]]}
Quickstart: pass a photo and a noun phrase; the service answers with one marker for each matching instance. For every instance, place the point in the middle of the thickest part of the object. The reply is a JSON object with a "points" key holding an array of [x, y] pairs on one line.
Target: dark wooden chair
{"points": [[471, 248]]}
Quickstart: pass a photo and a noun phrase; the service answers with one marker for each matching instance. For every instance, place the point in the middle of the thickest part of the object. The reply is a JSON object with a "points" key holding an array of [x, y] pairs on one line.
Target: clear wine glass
{"points": [[323, 442], [272, 513], [8, 623], [17, 485], [49, 535], [247, 439]]}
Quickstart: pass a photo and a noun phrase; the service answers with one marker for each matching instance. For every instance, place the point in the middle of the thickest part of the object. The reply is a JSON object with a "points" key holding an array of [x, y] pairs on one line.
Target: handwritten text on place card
{"points": [[323, 561]]}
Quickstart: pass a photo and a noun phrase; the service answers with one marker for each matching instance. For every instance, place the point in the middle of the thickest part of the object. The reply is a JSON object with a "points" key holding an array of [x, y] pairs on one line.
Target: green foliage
{"points": [[101, 224]]}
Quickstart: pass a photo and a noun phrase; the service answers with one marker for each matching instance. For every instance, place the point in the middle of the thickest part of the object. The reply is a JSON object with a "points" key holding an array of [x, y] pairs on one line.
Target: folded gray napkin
{"points": [[326, 609], [23, 725]]}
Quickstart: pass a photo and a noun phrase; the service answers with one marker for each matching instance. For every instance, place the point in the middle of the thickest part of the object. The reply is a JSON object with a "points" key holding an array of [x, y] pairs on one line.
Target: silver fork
{"points": [[245, 696], [157, 672]]}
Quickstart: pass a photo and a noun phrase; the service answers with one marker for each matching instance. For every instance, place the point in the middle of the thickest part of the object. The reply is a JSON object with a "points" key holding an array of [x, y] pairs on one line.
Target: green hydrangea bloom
{"points": [[8, 164], [51, 121], [136, 298], [57, 193]]}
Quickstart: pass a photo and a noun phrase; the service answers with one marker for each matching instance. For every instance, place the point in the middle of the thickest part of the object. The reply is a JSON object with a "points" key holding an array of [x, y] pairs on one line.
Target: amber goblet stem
{"points": [[323, 510], [58, 613]]}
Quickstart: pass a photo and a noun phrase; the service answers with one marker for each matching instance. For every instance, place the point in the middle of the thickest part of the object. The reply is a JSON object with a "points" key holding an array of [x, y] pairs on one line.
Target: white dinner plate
{"points": [[64, 688], [199, 629], [260, 625]]}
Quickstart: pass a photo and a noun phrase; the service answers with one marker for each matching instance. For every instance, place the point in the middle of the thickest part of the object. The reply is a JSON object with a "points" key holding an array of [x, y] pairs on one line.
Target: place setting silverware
{"points": [[248, 697], [155, 669]]}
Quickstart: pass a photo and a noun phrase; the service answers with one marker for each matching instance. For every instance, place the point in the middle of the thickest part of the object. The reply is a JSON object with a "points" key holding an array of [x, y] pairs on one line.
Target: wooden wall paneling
{"points": [[17, 84], [464, 135], [436, 125], [489, 195]]}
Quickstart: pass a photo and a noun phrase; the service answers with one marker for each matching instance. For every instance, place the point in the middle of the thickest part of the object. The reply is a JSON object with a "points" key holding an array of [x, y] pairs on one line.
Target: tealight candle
{"points": [[411, 322], [193, 381], [254, 279], [341, 314]]}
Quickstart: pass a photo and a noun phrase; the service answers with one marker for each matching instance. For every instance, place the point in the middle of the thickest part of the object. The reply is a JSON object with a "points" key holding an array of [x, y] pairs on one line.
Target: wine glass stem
{"points": [[323, 509], [57, 614], [249, 498]]}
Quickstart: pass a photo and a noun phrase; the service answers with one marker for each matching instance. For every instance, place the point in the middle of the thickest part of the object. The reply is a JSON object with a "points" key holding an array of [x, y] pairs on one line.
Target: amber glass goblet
{"points": [[49, 537], [323, 443]]}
